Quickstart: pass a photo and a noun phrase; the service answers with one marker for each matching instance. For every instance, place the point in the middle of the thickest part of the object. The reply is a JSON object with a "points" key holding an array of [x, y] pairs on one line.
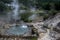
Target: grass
{"points": [[34, 38]]}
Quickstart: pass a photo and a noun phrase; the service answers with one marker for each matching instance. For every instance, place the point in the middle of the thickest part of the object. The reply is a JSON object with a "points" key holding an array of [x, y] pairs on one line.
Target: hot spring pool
{"points": [[18, 30]]}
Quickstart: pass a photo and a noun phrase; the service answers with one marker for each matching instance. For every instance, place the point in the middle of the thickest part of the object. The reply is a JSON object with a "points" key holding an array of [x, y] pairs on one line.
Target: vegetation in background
{"points": [[3, 7], [44, 4], [25, 16], [6, 1], [51, 5]]}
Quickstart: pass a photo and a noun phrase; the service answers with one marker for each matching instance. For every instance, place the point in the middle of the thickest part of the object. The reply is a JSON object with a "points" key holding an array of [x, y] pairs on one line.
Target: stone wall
{"points": [[15, 38]]}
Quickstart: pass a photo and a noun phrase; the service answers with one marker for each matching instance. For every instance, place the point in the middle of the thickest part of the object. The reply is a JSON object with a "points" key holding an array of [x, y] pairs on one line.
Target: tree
{"points": [[6, 1], [57, 6], [45, 4], [4, 8]]}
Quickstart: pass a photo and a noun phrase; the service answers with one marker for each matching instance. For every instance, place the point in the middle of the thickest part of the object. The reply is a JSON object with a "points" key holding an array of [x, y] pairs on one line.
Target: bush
{"points": [[34, 38], [46, 16], [25, 17]]}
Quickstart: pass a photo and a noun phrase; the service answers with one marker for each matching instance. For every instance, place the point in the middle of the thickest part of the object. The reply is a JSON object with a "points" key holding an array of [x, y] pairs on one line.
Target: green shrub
{"points": [[25, 17], [34, 38]]}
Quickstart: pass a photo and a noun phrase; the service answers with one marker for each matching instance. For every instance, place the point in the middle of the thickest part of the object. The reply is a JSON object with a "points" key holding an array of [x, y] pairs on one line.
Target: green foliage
{"points": [[23, 7], [24, 2], [57, 6], [4, 8], [25, 17], [45, 4], [46, 16], [52, 12], [41, 14], [34, 38], [6, 1], [28, 3]]}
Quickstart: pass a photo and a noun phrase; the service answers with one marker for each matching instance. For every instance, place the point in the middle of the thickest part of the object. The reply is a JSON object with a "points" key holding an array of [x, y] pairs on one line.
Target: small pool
{"points": [[18, 30]]}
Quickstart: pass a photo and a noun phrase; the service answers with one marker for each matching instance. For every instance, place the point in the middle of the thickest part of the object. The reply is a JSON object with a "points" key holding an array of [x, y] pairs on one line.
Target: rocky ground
{"points": [[53, 26], [44, 33]]}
